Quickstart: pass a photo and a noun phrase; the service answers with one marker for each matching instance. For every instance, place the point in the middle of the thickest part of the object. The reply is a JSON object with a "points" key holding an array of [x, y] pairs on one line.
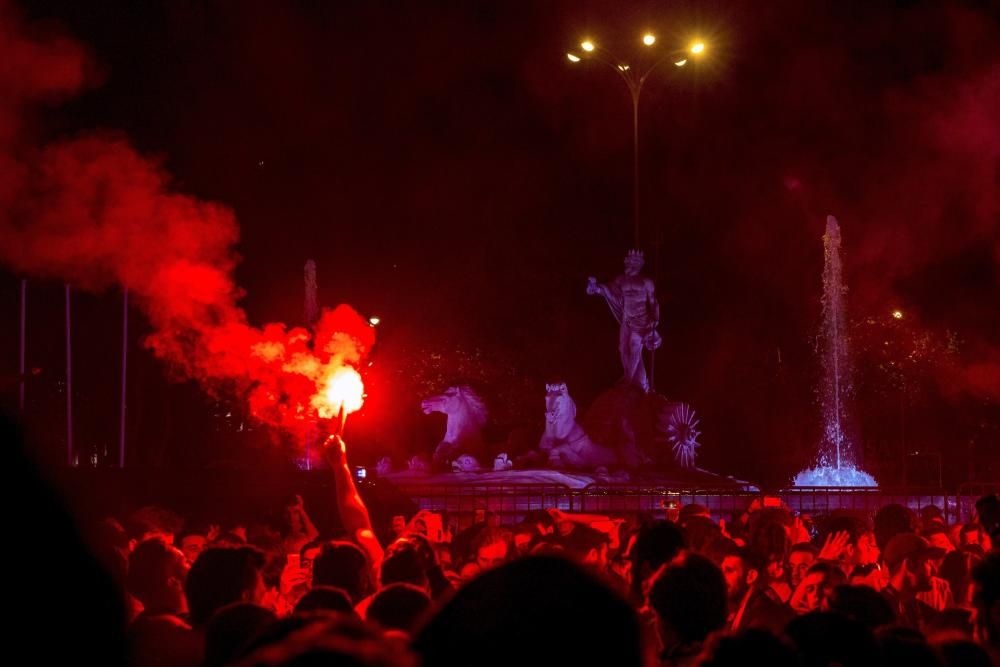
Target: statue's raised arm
{"points": [[594, 287]]}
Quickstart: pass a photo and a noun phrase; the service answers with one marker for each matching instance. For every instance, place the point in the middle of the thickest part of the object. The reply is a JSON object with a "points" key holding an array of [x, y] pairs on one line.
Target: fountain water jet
{"points": [[835, 465]]}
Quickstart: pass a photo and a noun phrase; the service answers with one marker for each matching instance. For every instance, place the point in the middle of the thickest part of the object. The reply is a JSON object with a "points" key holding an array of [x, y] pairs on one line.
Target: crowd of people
{"points": [[902, 587]]}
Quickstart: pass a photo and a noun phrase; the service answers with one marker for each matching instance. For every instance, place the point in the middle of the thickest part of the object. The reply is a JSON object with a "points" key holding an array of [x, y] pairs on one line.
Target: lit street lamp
{"points": [[635, 79]]}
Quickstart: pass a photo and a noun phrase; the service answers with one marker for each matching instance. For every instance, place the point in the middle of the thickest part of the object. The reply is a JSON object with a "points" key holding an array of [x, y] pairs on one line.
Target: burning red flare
{"points": [[343, 388], [294, 382], [93, 212]]}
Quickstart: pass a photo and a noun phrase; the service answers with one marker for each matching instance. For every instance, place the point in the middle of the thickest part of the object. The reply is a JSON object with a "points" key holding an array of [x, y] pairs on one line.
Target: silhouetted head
{"points": [[548, 606]]}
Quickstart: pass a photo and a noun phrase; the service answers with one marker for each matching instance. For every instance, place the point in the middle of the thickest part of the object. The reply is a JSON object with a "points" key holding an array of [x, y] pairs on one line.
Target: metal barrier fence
{"points": [[511, 502], [823, 500], [968, 493]]}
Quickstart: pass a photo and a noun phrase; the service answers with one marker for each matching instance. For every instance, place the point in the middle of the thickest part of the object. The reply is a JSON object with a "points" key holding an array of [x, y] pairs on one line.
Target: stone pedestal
{"points": [[634, 424]]}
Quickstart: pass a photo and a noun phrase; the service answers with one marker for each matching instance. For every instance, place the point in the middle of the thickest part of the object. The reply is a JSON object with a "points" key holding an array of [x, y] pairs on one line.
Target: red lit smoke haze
{"points": [[909, 170], [93, 212]]}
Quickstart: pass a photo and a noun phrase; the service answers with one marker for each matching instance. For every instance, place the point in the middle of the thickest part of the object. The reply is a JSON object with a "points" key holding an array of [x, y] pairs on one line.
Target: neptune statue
{"points": [[632, 299]]}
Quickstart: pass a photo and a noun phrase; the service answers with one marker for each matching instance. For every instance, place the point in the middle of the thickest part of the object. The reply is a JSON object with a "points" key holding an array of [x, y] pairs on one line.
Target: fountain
{"points": [[835, 464]]}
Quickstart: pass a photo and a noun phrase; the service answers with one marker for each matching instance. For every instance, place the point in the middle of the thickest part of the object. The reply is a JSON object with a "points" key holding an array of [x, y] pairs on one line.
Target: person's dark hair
{"points": [[153, 519], [752, 560], [488, 536], [934, 529], [717, 550], [986, 576], [110, 544], [832, 572], [527, 529], [542, 604], [548, 546], [825, 638], [988, 510], [116, 564], [326, 598], [748, 647], [931, 513], [264, 536], [150, 564], [425, 548], [325, 638], [583, 539], [892, 520], [655, 544], [851, 524], [186, 533], [318, 542], [538, 517], [192, 527], [905, 647], [109, 533], [221, 576], [689, 597], [956, 569], [690, 511], [280, 629], [863, 604], [700, 533], [952, 622], [962, 653], [770, 541], [803, 547], [229, 539], [398, 607], [343, 565], [863, 570], [436, 580], [272, 544], [403, 564], [231, 629]]}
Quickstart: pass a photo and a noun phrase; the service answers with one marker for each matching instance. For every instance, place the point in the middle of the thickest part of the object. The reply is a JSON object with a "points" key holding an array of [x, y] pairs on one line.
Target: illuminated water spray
{"points": [[835, 465]]}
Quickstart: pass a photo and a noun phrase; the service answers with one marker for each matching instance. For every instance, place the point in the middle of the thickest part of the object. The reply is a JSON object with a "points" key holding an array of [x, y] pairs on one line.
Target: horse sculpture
{"points": [[567, 444], [463, 433]]}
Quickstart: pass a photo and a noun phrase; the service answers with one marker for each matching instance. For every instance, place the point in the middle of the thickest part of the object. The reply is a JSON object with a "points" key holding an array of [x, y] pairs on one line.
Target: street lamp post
{"points": [[634, 79]]}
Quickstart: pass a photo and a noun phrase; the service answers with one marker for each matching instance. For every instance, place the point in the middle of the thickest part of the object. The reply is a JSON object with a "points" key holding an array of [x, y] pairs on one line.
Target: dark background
{"points": [[451, 172]]}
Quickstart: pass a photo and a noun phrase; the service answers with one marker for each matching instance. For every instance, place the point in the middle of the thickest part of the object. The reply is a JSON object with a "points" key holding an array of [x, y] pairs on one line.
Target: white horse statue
{"points": [[464, 431], [567, 444]]}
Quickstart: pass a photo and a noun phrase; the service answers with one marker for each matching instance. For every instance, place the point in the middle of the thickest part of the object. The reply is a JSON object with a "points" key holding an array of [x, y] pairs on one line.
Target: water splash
{"points": [[836, 466], [830, 476]]}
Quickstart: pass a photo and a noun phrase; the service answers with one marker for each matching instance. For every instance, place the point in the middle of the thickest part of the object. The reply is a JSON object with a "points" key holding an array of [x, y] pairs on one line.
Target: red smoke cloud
{"points": [[93, 212]]}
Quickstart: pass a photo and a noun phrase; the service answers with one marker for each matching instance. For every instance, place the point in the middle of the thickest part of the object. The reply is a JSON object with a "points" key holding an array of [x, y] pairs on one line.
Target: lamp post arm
{"points": [[663, 58], [605, 57]]}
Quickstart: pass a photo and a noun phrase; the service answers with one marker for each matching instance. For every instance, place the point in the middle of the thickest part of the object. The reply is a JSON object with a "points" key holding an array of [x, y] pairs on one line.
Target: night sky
{"points": [[451, 172]]}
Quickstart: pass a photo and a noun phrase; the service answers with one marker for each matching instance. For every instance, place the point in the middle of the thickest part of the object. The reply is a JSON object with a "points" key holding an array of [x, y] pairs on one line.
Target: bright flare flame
{"points": [[897, 314], [374, 320], [345, 387], [573, 58], [697, 47], [587, 46], [681, 63], [649, 39]]}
